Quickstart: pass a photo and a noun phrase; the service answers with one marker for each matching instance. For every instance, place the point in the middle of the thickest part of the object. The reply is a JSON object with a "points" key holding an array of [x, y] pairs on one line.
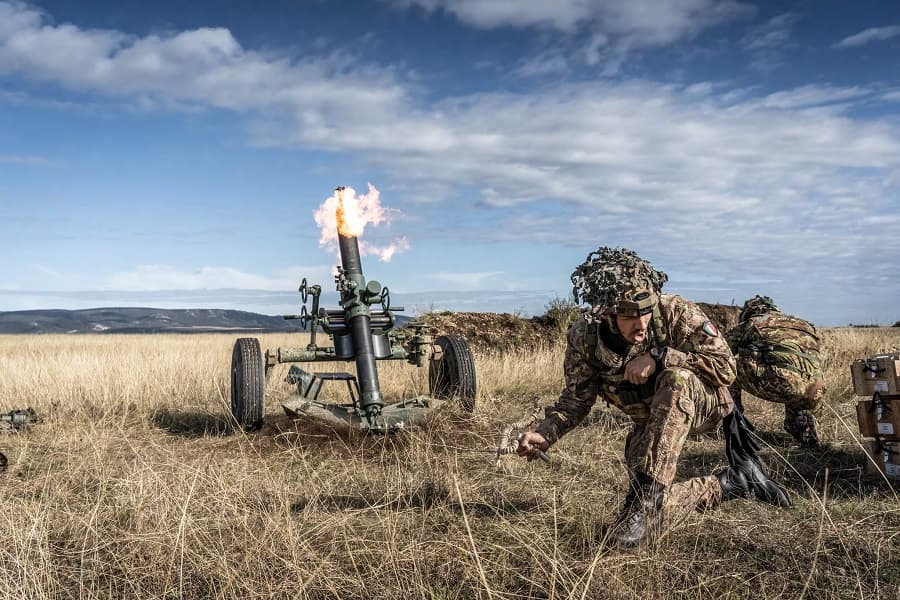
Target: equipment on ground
{"points": [[361, 330], [15, 421], [878, 378], [18, 420]]}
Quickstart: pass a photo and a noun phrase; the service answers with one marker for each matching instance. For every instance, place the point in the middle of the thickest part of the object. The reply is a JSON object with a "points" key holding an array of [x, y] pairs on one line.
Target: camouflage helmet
{"points": [[617, 280], [756, 306]]}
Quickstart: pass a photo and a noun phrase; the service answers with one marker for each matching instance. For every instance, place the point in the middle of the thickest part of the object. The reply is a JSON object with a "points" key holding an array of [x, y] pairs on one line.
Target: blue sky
{"points": [[172, 155]]}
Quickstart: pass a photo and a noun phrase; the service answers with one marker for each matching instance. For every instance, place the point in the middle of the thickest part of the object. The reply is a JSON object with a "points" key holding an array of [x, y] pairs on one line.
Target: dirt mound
{"points": [[723, 316], [497, 331]]}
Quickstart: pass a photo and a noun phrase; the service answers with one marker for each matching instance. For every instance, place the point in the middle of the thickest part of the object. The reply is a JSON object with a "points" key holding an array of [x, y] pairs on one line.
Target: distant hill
{"points": [[140, 320], [147, 320]]}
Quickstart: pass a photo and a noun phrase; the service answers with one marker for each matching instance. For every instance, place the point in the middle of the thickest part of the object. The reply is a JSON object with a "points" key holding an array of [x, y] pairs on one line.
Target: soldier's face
{"points": [[633, 327]]}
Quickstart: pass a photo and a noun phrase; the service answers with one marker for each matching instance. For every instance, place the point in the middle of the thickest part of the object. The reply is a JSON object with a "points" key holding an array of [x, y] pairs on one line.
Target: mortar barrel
{"points": [[350, 260], [359, 322]]}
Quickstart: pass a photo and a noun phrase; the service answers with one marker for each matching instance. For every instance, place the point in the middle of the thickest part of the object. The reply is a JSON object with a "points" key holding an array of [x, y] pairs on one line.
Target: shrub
{"points": [[562, 311]]}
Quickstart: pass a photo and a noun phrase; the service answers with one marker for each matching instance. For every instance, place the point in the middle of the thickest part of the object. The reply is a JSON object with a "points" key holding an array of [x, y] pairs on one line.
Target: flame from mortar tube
{"points": [[348, 214]]}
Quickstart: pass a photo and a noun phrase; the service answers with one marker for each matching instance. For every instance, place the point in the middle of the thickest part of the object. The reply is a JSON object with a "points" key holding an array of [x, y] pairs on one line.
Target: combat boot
{"points": [[734, 484], [641, 517], [741, 452], [763, 488], [802, 425]]}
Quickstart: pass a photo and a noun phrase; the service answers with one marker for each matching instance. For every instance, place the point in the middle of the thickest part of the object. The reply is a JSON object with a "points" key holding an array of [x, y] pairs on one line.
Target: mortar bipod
{"points": [[309, 385]]}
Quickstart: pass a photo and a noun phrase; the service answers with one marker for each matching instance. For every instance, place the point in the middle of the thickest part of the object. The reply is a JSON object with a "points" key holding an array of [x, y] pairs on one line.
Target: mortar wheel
{"points": [[248, 384], [454, 373]]}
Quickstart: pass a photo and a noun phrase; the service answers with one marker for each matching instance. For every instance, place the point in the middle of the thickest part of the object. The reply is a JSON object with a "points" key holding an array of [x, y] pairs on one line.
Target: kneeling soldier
{"points": [[661, 361]]}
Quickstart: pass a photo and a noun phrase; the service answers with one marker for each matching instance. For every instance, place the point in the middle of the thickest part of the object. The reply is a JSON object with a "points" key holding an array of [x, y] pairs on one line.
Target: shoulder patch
{"points": [[710, 329]]}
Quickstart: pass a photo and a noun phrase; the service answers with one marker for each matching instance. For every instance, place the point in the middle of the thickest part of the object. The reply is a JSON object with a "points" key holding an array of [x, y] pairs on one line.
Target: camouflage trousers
{"points": [[683, 405], [796, 390]]}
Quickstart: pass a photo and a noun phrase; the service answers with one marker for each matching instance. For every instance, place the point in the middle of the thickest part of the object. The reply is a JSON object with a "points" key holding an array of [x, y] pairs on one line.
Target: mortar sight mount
{"points": [[361, 330]]}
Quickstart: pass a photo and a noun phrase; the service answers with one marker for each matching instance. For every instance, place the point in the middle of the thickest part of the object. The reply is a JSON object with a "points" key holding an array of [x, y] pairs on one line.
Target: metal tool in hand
{"points": [[505, 444], [544, 455]]}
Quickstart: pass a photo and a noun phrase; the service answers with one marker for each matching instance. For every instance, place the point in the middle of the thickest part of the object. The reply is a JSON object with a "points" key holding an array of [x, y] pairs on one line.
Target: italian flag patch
{"points": [[710, 329]]}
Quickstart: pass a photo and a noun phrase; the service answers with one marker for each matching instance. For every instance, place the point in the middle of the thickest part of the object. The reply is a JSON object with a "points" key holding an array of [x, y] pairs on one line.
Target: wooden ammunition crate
{"points": [[879, 373], [886, 456], [879, 417]]}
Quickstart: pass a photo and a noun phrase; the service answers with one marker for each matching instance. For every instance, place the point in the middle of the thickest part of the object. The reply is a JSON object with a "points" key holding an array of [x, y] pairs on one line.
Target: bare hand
{"points": [[531, 444], [639, 369]]}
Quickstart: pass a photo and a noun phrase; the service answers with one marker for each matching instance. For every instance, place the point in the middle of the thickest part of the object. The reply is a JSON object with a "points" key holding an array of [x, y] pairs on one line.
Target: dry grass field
{"points": [[136, 485]]}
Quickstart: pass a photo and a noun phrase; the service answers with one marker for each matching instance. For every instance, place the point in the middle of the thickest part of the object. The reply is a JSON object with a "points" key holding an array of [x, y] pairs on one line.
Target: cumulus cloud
{"points": [[867, 36], [16, 16], [204, 67]]}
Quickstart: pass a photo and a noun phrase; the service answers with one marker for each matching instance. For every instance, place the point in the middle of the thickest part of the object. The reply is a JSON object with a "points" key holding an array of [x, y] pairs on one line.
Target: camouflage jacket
{"points": [[775, 338], [592, 369]]}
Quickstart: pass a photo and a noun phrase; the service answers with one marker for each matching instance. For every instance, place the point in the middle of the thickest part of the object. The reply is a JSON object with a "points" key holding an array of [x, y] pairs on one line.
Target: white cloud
{"points": [[167, 277], [814, 95], [642, 22], [873, 34], [205, 67], [562, 14], [613, 29], [16, 16], [768, 42], [774, 33], [550, 62], [660, 22]]}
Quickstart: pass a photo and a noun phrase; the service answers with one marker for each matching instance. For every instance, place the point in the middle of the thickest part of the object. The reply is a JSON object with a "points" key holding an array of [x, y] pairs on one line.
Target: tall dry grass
{"points": [[137, 486]]}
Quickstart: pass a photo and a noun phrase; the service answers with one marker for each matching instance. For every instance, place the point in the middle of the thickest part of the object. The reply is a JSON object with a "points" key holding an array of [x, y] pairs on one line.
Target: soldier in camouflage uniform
{"points": [[778, 360], [659, 359]]}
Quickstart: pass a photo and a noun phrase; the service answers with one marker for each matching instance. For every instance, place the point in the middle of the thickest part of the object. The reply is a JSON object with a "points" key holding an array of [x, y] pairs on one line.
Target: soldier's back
{"points": [[778, 357]]}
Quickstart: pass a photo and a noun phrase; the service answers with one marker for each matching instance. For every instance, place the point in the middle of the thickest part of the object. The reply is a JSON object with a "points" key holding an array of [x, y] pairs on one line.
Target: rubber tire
{"points": [[454, 374], [248, 384]]}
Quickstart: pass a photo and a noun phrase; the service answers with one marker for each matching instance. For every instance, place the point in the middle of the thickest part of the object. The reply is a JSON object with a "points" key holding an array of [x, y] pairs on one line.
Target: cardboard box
{"points": [[877, 373], [879, 419], [886, 459]]}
